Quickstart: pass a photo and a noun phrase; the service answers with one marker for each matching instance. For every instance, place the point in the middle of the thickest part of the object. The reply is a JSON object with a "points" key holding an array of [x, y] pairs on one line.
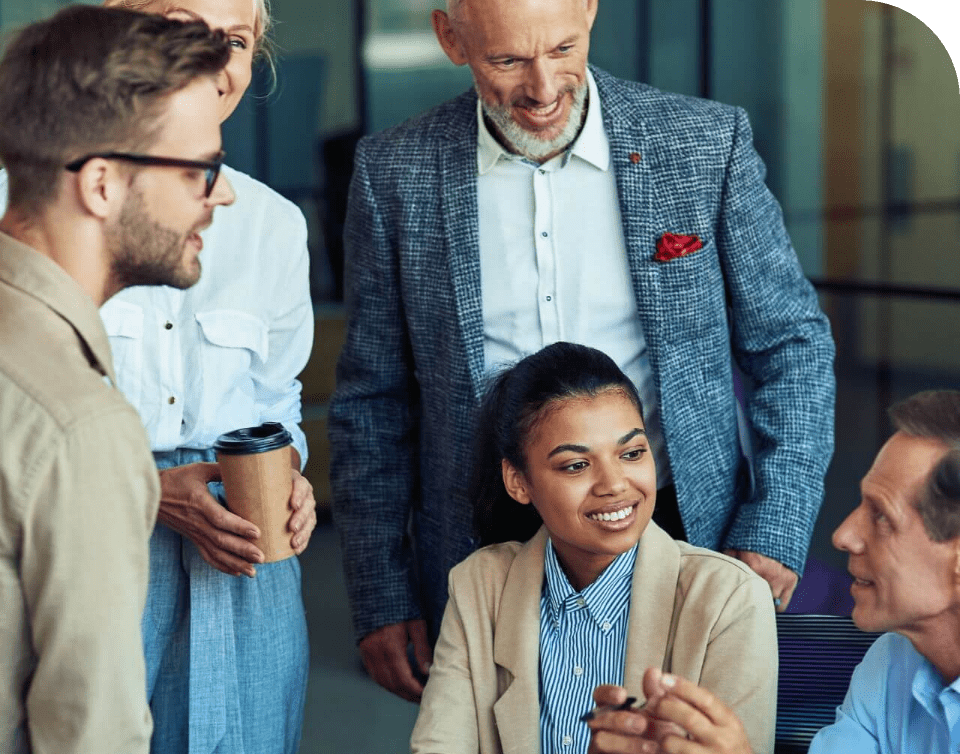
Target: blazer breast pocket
{"points": [[693, 299]]}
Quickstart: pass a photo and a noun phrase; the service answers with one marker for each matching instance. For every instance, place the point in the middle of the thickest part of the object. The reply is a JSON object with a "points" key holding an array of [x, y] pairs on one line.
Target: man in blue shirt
{"points": [[904, 546], [903, 542]]}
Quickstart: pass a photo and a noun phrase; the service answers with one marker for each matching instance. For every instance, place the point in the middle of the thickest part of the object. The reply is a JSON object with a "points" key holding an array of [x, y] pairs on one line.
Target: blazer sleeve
{"points": [[781, 341], [447, 723], [373, 419], [740, 665]]}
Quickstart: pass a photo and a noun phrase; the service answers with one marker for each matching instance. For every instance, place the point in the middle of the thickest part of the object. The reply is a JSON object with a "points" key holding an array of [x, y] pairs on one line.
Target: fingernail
{"points": [[668, 680], [252, 533], [252, 573]]}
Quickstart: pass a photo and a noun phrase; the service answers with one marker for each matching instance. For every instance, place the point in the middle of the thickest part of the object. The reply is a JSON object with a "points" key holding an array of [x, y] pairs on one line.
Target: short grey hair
{"points": [[935, 414], [453, 9]]}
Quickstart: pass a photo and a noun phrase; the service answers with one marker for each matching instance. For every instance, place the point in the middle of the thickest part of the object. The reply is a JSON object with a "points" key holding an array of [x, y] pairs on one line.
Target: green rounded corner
{"points": [[942, 17]]}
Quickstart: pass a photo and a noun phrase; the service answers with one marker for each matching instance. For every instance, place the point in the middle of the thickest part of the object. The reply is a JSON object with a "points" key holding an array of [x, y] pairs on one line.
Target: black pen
{"points": [[628, 704]]}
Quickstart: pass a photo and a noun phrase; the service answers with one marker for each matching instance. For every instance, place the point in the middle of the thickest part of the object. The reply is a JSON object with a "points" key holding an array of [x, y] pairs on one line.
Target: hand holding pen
{"points": [[678, 717], [619, 725]]}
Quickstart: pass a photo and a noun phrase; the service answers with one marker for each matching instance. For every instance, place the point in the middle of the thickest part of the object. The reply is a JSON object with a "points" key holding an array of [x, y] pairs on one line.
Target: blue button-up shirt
{"points": [[897, 704], [583, 640]]}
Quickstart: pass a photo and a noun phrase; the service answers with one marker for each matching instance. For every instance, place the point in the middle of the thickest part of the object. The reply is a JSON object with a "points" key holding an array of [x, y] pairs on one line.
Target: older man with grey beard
{"points": [[556, 202]]}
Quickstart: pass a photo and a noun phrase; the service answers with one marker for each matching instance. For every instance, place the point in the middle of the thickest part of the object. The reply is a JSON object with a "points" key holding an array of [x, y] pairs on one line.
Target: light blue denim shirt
{"points": [[583, 641], [897, 704]]}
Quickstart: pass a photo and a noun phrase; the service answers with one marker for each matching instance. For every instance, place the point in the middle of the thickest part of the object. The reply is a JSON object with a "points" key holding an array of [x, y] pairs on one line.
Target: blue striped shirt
{"points": [[583, 642]]}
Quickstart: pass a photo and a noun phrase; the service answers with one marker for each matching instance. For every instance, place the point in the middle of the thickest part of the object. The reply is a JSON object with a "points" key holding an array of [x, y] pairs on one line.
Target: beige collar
{"points": [[35, 274], [516, 644]]}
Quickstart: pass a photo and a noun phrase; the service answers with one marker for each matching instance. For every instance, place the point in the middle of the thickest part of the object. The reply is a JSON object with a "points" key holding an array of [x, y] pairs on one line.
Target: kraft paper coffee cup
{"points": [[255, 466]]}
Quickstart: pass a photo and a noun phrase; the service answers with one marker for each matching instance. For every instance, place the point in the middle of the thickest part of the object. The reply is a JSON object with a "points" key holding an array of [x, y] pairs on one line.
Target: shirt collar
{"points": [[606, 599], [590, 145], [928, 688], [27, 270]]}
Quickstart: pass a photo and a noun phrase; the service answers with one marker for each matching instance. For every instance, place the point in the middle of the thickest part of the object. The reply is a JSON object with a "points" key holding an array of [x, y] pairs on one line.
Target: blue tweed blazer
{"points": [[411, 372]]}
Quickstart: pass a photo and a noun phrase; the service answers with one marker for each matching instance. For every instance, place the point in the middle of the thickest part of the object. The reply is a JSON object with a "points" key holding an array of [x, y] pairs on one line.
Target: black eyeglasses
{"points": [[211, 168]]}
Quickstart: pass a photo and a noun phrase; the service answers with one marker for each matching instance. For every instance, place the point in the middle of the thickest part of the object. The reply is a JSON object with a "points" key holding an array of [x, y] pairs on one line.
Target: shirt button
{"points": [[566, 741], [606, 625], [171, 400], [544, 234], [168, 326], [549, 298], [542, 171], [581, 602], [577, 671]]}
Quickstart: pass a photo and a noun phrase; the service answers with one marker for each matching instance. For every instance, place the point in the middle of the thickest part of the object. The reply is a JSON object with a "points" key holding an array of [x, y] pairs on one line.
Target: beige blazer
{"points": [[693, 612]]}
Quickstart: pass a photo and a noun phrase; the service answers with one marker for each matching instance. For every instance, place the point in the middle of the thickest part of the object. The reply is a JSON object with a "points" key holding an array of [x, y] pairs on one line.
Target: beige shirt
{"points": [[78, 499], [693, 612]]}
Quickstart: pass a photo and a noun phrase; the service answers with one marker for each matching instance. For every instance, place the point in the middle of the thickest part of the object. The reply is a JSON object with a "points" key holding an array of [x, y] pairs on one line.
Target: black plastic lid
{"points": [[241, 442]]}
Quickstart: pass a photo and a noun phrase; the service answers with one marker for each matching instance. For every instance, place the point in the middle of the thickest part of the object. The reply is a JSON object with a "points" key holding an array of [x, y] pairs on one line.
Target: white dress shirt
{"points": [[553, 263], [225, 353]]}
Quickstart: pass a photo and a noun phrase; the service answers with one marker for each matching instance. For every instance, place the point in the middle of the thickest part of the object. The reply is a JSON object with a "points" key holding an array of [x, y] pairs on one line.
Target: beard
{"points": [[144, 252], [526, 143]]}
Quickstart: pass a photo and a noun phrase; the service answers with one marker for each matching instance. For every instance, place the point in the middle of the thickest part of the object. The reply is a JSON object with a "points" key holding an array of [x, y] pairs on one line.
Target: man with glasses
{"points": [[109, 133]]}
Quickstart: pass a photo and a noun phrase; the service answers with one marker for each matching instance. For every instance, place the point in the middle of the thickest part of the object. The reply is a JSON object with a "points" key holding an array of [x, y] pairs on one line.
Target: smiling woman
{"points": [[599, 587], [246, 23]]}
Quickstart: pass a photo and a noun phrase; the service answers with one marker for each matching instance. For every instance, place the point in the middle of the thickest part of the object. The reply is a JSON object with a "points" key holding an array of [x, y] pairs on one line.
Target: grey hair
{"points": [[935, 414], [453, 9]]}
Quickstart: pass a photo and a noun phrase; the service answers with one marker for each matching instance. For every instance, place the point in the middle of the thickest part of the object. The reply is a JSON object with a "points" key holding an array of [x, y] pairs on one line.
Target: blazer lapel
{"points": [[634, 159], [516, 649], [458, 189], [651, 606]]}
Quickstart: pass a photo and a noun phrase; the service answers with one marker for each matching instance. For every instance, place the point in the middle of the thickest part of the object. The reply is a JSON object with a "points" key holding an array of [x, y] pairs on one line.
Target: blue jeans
{"points": [[227, 656]]}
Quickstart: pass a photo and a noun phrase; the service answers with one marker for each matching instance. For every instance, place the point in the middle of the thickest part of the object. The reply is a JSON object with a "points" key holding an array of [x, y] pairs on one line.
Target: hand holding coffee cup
{"points": [[255, 464]]}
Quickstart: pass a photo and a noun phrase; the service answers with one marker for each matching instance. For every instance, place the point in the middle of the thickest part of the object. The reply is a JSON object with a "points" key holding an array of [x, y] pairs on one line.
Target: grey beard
{"points": [[526, 144]]}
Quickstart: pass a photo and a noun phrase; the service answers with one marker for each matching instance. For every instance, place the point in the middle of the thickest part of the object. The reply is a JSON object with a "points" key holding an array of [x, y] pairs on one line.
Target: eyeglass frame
{"points": [[211, 168]]}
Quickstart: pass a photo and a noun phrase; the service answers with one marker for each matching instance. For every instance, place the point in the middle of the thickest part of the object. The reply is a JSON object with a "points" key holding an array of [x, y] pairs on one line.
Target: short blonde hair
{"points": [[261, 29]]}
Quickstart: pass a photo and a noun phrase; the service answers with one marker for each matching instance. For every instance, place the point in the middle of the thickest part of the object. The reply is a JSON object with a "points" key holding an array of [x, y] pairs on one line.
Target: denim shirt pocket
{"points": [[232, 339]]}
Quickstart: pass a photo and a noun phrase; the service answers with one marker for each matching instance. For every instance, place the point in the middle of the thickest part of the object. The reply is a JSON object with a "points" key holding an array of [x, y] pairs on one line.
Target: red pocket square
{"points": [[675, 245]]}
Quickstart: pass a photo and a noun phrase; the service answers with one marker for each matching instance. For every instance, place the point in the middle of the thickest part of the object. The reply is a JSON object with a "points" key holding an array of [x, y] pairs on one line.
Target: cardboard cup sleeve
{"points": [[255, 465]]}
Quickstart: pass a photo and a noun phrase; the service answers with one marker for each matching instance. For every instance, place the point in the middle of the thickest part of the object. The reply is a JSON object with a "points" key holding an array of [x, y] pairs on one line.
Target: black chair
{"points": [[818, 654]]}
